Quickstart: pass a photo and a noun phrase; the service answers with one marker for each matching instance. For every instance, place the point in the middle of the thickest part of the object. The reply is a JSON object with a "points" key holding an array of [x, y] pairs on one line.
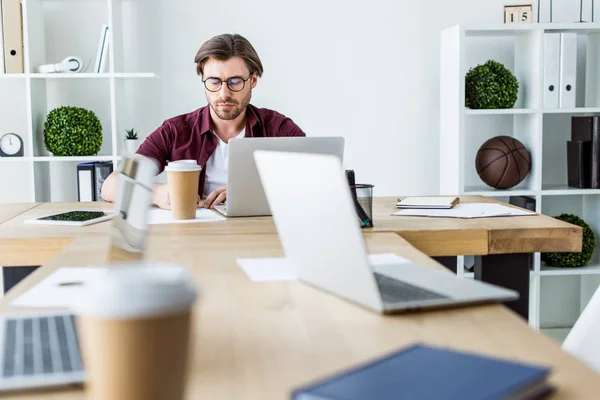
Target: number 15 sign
{"points": [[518, 13]]}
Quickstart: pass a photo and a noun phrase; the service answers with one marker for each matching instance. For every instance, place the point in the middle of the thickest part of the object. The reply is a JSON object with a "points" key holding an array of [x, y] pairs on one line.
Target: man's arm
{"points": [[158, 147], [160, 192]]}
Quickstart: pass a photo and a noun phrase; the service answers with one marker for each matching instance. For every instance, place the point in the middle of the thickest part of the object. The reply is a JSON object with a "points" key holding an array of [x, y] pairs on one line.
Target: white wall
{"points": [[368, 71]]}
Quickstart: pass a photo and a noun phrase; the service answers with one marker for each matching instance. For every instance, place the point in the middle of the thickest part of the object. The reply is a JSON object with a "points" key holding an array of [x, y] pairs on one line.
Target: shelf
{"points": [[73, 158], [564, 190], [513, 111], [92, 75], [501, 111], [14, 159], [593, 269], [516, 29], [12, 76], [580, 110]]}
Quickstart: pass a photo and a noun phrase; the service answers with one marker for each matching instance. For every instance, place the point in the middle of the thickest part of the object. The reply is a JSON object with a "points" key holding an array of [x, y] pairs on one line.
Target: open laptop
{"points": [[319, 229], [245, 194], [39, 350]]}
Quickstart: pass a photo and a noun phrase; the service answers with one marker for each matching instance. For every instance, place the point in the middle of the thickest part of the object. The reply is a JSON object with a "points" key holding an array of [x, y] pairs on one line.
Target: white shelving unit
{"points": [[557, 295], [121, 97]]}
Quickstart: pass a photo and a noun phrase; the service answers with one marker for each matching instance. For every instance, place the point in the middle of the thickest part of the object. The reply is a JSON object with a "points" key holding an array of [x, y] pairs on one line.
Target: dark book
{"points": [[426, 372], [579, 164], [90, 178], [581, 128], [585, 129], [595, 167]]}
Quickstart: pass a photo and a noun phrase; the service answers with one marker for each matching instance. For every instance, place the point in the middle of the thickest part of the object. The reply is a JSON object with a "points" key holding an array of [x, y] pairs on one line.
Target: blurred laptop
{"points": [[245, 194], [318, 226], [42, 349]]}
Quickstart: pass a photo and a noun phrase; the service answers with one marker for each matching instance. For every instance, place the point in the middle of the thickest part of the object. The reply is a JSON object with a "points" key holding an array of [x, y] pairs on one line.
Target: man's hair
{"points": [[223, 47]]}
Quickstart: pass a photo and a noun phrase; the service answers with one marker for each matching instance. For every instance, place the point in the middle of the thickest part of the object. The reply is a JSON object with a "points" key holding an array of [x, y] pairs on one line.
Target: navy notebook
{"points": [[425, 372]]}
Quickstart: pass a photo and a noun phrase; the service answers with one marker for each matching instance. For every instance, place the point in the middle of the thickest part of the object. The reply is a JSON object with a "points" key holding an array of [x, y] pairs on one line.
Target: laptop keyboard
{"points": [[40, 346], [395, 291]]}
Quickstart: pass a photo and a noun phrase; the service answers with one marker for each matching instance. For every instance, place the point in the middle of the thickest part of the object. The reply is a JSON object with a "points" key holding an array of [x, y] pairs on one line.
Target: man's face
{"points": [[228, 104]]}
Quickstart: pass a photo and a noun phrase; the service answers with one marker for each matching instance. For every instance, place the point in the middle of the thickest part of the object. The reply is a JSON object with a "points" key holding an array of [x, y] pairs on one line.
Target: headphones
{"points": [[69, 64]]}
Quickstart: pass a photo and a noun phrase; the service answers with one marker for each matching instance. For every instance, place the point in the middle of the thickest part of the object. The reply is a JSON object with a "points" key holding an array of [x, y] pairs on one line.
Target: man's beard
{"points": [[235, 111]]}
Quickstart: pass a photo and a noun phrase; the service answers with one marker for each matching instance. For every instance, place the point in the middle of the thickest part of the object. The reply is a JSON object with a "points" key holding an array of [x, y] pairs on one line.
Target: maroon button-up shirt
{"points": [[188, 136]]}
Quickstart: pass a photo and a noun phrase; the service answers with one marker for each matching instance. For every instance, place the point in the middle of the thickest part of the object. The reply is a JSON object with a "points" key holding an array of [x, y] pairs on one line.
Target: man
{"points": [[230, 68]]}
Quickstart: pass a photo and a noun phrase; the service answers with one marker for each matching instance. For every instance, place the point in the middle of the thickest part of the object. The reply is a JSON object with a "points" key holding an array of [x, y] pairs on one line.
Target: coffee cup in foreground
{"points": [[183, 177], [134, 327]]}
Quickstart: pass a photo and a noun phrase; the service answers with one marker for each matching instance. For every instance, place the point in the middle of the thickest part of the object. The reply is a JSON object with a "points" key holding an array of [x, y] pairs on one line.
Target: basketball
{"points": [[502, 162]]}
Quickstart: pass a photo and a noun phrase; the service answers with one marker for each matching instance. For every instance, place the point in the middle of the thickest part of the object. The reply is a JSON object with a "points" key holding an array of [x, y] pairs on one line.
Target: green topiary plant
{"points": [[573, 260], [72, 131], [490, 85]]}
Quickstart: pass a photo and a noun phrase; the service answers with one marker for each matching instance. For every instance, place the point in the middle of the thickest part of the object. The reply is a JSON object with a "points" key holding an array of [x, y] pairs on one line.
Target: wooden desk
{"points": [[11, 210], [505, 242], [258, 341], [478, 236]]}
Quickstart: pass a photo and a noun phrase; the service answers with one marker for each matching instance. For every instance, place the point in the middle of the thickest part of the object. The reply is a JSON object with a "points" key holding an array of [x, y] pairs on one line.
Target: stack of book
{"points": [[583, 152]]}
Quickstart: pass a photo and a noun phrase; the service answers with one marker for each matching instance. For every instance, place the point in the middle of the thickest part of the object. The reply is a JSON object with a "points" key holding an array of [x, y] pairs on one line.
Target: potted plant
{"points": [[72, 131], [131, 141], [490, 86]]}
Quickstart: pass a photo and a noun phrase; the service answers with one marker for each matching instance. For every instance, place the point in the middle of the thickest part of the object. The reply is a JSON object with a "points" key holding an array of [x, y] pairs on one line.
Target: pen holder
{"points": [[364, 203]]}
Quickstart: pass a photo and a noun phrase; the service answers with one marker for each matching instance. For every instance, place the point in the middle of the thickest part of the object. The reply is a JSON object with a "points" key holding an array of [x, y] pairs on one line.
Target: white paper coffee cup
{"points": [[183, 178], [134, 329]]}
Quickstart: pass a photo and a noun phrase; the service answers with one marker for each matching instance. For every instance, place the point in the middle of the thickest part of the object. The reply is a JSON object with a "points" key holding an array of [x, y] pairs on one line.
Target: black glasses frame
{"points": [[227, 81]]}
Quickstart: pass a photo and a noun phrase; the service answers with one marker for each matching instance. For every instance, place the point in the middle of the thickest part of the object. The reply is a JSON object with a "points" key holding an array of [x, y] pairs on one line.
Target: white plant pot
{"points": [[131, 146]]}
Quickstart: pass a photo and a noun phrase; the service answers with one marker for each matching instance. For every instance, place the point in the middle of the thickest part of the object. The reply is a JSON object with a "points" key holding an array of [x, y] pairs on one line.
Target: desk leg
{"points": [[510, 271]]}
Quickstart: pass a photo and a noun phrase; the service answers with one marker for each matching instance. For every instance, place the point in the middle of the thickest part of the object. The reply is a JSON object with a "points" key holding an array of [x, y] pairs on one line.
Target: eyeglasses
{"points": [[235, 84]]}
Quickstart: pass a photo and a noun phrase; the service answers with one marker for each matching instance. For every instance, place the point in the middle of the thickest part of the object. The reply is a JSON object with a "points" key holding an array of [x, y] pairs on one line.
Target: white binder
{"points": [[568, 70], [2, 70], [551, 70]]}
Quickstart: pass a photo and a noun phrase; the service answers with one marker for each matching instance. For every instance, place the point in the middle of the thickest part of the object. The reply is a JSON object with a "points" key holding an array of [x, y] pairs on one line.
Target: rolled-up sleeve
{"points": [[158, 145]]}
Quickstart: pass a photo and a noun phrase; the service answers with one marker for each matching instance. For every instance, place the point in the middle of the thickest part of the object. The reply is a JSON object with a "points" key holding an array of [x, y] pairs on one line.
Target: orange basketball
{"points": [[502, 162]]}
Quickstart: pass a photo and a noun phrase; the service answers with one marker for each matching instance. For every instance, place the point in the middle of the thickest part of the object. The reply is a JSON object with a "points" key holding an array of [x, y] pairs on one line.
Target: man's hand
{"points": [[218, 196], [161, 198]]}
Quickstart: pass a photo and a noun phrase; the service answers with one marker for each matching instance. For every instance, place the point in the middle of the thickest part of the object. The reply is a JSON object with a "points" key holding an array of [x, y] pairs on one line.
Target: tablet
{"points": [[73, 218]]}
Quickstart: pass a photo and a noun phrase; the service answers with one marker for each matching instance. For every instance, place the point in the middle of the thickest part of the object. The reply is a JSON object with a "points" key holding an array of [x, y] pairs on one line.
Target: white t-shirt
{"points": [[216, 166]]}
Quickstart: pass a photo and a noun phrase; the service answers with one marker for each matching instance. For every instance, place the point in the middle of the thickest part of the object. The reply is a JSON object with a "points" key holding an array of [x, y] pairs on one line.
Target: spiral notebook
{"points": [[438, 202]]}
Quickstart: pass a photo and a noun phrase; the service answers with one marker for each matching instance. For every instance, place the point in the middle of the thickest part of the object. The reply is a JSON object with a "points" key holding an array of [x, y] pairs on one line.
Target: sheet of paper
{"points": [[468, 210], [279, 269], [62, 288], [202, 215], [268, 269]]}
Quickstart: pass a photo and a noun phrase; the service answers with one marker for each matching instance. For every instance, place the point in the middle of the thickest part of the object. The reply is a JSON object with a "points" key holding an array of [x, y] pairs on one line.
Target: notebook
{"points": [[428, 202], [424, 372]]}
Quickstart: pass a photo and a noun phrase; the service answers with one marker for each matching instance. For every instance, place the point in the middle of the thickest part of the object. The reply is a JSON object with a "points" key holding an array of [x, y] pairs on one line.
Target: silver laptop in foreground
{"points": [[245, 194], [319, 229], [39, 350]]}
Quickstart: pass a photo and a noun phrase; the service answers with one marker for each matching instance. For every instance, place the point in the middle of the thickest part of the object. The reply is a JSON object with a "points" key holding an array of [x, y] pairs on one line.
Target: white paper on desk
{"points": [[165, 217], [50, 293], [279, 269], [468, 210]]}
